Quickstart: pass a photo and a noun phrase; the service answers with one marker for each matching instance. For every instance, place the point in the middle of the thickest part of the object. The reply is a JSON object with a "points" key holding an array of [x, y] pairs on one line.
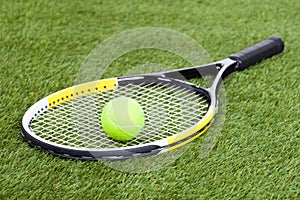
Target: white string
{"points": [[76, 123]]}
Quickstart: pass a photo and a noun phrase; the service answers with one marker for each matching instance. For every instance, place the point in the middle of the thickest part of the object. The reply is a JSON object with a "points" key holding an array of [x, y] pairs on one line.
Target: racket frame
{"points": [[221, 69]]}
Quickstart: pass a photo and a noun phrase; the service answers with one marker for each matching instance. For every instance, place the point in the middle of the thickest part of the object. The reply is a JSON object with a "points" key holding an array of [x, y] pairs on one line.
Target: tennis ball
{"points": [[122, 118]]}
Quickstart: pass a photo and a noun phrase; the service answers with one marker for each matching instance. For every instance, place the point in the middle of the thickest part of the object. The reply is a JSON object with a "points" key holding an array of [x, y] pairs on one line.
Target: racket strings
{"points": [[168, 110]]}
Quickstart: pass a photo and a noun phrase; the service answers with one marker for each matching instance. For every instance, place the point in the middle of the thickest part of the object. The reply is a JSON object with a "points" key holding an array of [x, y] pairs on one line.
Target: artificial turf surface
{"points": [[257, 154]]}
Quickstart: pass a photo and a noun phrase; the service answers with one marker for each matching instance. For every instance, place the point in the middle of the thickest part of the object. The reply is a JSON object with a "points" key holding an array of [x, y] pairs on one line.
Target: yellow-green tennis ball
{"points": [[122, 118]]}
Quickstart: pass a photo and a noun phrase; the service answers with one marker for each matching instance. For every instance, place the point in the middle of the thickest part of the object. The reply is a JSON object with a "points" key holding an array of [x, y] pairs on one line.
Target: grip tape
{"points": [[258, 52]]}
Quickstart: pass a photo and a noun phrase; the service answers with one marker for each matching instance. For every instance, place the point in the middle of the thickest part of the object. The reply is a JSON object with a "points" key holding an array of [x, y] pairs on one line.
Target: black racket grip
{"points": [[258, 52]]}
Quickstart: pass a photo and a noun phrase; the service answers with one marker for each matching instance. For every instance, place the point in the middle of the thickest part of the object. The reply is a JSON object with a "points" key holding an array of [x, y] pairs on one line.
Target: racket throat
{"points": [[226, 67], [194, 72]]}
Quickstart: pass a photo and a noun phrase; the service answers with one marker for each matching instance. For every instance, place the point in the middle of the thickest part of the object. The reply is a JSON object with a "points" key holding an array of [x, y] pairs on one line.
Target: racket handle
{"points": [[258, 52]]}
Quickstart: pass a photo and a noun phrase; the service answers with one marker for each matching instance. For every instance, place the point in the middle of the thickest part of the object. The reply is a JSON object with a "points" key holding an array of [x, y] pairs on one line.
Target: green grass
{"points": [[257, 156]]}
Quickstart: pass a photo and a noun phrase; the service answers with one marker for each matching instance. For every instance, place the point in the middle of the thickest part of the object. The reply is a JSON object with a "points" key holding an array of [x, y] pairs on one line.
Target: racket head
{"points": [[68, 123]]}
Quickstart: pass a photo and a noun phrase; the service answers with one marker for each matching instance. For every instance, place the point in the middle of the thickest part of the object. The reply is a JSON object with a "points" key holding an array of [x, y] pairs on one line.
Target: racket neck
{"points": [[225, 67], [192, 72]]}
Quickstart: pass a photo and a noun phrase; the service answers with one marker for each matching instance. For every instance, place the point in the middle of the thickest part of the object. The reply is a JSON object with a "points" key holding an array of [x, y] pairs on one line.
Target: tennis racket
{"points": [[67, 123]]}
